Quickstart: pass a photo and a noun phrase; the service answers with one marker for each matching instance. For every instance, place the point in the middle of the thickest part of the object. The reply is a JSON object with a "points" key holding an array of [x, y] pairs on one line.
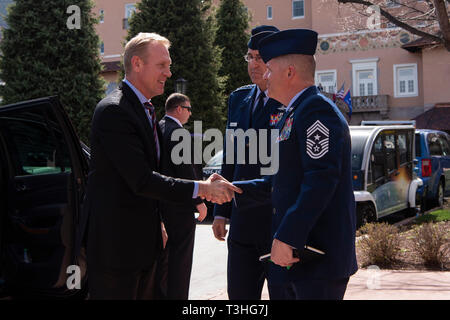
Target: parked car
{"points": [[384, 181], [43, 174], [433, 166]]}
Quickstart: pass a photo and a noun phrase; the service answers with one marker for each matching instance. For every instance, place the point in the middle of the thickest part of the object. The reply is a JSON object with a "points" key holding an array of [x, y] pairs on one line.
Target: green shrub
{"points": [[432, 243], [380, 244]]}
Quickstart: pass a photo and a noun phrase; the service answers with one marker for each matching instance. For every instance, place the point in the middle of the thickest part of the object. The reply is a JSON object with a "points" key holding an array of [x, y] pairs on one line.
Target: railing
{"points": [[378, 103]]}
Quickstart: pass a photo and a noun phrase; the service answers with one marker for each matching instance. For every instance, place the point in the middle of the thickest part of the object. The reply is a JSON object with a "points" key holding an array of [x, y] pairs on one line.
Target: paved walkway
{"points": [[385, 285], [208, 280]]}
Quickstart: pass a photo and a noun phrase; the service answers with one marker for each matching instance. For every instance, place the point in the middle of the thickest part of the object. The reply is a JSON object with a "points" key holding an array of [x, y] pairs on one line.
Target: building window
{"points": [[102, 48], [405, 80], [364, 77], [269, 12], [102, 16], [298, 9], [130, 8], [327, 80]]}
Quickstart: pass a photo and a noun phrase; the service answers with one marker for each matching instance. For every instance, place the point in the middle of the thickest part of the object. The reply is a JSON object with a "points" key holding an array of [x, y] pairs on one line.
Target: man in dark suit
{"points": [[312, 194], [179, 220], [249, 107], [124, 188]]}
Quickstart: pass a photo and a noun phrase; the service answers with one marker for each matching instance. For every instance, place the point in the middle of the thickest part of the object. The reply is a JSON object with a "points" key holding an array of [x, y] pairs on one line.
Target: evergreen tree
{"points": [[231, 37], [48, 51], [190, 30]]}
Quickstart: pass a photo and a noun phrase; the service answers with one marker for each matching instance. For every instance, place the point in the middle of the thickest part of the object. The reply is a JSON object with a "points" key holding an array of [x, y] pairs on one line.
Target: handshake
{"points": [[217, 189]]}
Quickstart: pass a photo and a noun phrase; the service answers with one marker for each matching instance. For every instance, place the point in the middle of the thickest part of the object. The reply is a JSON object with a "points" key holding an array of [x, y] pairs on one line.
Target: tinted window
{"points": [[389, 146], [418, 146], [444, 144], [358, 144], [35, 142], [402, 145], [434, 145]]}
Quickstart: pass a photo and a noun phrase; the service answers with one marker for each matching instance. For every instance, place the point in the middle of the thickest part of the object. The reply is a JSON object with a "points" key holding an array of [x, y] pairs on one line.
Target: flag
{"points": [[340, 93], [348, 100]]}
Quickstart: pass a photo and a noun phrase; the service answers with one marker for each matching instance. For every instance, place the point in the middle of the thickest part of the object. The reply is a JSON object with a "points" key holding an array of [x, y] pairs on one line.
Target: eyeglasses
{"points": [[248, 57], [187, 107]]}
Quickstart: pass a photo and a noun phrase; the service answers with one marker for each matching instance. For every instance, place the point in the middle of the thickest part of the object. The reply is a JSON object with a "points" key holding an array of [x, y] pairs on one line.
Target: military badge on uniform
{"points": [[275, 118], [317, 140], [286, 131]]}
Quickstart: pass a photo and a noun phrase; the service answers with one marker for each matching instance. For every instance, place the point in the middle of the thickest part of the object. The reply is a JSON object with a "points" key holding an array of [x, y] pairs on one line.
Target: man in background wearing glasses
{"points": [[249, 107], [176, 265]]}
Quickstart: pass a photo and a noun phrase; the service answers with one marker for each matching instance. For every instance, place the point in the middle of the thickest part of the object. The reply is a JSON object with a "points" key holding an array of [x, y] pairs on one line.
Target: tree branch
{"points": [[399, 23]]}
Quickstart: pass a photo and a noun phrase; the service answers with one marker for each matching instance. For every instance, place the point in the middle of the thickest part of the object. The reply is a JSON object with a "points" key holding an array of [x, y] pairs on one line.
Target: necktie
{"points": [[260, 104], [151, 110], [258, 108]]}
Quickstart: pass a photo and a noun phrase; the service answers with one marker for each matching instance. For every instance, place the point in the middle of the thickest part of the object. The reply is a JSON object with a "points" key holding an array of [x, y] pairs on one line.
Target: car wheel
{"points": [[439, 199], [365, 213]]}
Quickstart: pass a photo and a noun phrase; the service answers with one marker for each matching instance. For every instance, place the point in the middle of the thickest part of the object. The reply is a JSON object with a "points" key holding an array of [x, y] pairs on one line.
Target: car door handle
{"points": [[21, 187]]}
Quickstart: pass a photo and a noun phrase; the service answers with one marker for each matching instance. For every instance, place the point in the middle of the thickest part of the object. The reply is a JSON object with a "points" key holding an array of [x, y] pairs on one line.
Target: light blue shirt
{"points": [[143, 100]]}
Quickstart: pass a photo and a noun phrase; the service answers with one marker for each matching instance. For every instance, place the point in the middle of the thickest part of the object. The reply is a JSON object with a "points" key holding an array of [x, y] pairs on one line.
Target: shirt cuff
{"points": [[220, 218], [195, 194]]}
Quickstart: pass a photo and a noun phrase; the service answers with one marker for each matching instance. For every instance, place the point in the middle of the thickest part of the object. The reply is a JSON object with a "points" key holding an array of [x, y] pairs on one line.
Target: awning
{"points": [[437, 118]]}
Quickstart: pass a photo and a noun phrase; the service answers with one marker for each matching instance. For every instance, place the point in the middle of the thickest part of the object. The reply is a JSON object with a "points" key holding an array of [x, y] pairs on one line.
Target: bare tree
{"points": [[428, 19]]}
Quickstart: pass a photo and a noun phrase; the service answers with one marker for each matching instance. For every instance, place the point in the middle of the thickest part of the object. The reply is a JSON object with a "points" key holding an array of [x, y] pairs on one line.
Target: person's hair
{"points": [[305, 64], [137, 47], [174, 100]]}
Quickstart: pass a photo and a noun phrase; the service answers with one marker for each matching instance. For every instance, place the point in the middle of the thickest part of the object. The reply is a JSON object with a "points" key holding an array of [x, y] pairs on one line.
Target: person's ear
{"points": [[136, 63]]}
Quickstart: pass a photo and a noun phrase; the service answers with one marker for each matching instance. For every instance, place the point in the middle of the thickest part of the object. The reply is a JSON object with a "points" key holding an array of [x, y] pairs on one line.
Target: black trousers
{"points": [[175, 265], [122, 284], [245, 273], [309, 289]]}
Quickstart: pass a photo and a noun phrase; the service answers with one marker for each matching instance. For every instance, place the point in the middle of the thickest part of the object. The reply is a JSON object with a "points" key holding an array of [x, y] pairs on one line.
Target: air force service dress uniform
{"points": [[312, 195], [250, 230]]}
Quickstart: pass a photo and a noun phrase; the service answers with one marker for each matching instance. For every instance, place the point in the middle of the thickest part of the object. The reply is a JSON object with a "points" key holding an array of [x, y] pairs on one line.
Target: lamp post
{"points": [[180, 85]]}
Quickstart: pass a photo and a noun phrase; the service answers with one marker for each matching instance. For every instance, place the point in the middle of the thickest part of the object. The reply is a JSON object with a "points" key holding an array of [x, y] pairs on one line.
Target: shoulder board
{"points": [[246, 87]]}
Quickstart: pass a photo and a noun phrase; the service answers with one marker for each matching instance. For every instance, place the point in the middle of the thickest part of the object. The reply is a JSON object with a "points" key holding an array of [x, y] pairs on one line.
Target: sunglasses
{"points": [[187, 107]]}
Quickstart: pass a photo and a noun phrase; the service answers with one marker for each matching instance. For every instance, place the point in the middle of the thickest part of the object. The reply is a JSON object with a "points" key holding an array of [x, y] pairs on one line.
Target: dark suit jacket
{"points": [[124, 187], [312, 193], [253, 225], [183, 170]]}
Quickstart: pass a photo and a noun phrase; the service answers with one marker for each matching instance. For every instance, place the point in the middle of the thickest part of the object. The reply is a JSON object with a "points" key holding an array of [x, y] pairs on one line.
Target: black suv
{"points": [[43, 174]]}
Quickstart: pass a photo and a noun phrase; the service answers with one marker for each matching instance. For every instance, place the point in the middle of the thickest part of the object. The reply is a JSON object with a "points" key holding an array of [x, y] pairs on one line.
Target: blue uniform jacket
{"points": [[254, 225], [312, 195]]}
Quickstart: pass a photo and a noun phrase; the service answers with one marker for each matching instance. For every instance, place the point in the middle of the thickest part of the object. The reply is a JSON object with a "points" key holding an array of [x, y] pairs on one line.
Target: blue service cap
{"points": [[292, 41], [259, 33]]}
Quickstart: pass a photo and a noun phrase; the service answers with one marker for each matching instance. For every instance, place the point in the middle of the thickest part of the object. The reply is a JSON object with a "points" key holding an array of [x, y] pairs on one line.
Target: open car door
{"points": [[42, 181]]}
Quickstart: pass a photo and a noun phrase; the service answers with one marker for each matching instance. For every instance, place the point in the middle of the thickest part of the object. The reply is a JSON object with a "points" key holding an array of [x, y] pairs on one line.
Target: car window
{"points": [[402, 148], [389, 145], [377, 159], [358, 145], [444, 145], [418, 145], [35, 142], [434, 145]]}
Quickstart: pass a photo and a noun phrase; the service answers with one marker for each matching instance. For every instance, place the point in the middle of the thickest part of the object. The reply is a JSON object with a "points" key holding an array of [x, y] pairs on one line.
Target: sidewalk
{"points": [[386, 285]]}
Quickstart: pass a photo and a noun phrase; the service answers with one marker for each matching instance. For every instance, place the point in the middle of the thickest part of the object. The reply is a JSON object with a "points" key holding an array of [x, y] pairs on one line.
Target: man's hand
{"points": [[217, 189], [164, 235], [282, 254], [219, 229], [202, 210]]}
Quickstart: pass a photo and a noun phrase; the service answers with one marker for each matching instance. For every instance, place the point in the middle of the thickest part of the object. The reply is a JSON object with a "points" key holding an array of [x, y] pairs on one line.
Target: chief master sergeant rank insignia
{"points": [[317, 140]]}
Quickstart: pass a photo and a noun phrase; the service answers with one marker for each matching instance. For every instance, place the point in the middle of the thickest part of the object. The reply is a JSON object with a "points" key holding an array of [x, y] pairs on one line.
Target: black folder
{"points": [[307, 254]]}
